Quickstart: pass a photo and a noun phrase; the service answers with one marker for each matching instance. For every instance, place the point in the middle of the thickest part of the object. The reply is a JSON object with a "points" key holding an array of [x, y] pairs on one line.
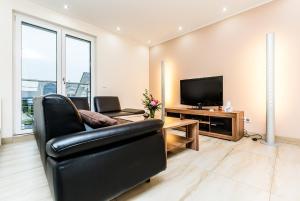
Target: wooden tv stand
{"points": [[217, 123]]}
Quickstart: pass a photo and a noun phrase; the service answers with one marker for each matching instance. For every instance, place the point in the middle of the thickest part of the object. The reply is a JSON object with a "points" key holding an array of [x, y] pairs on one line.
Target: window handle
{"points": [[64, 80]]}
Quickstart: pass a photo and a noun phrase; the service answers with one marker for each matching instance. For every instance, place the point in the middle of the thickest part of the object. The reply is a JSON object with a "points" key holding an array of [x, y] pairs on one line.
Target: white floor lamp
{"points": [[162, 78], [270, 106]]}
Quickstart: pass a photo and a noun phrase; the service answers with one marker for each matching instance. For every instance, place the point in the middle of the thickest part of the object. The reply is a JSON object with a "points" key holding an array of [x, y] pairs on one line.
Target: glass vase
{"points": [[152, 113]]}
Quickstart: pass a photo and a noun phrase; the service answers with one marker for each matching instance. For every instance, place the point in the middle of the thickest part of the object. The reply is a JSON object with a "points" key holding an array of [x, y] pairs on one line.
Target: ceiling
{"points": [[151, 20]]}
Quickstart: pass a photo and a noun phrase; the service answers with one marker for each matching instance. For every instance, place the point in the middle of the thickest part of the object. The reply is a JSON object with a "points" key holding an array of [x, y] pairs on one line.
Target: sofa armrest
{"points": [[83, 141]]}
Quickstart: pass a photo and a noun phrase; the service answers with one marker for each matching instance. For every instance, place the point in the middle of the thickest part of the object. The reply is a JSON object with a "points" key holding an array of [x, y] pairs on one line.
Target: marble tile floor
{"points": [[219, 171]]}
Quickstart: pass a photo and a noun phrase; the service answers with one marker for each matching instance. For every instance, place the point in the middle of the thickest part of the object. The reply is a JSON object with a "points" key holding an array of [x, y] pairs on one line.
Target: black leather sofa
{"points": [[94, 165], [110, 106]]}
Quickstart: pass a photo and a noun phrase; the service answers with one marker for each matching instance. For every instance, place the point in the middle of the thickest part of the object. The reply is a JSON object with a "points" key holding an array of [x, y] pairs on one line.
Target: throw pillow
{"points": [[96, 120]]}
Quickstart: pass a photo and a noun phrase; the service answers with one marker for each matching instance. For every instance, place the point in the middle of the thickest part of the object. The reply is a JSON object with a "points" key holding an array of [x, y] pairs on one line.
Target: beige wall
{"points": [[235, 48], [122, 65]]}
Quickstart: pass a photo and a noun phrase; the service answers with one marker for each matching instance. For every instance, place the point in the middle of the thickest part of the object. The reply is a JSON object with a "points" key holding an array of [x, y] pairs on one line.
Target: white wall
{"points": [[236, 49], [122, 65]]}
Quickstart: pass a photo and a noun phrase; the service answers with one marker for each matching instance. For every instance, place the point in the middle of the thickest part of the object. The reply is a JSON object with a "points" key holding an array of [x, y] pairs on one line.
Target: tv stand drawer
{"points": [[221, 125]]}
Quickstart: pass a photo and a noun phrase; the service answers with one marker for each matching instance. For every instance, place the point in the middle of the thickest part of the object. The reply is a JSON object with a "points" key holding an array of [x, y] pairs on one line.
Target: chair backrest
{"points": [[107, 104], [81, 103], [54, 116]]}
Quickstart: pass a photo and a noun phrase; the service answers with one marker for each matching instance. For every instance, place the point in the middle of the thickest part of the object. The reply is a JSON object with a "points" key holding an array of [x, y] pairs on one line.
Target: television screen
{"points": [[202, 91]]}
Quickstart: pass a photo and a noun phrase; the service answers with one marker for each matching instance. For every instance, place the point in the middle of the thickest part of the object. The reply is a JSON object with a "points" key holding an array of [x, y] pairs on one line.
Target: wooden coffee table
{"points": [[172, 139]]}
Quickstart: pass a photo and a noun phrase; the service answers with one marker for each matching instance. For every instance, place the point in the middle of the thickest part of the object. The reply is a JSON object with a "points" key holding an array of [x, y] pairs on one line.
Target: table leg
{"points": [[193, 132]]}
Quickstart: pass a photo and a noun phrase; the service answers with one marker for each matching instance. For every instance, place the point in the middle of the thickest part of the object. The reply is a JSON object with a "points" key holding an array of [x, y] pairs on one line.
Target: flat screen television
{"points": [[202, 91]]}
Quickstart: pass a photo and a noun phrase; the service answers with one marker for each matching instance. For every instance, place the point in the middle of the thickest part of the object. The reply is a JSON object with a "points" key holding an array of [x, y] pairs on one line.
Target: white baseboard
{"points": [[287, 140], [281, 139], [16, 139]]}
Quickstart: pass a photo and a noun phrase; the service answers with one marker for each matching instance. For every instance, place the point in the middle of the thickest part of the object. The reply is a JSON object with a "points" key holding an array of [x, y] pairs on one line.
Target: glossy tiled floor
{"points": [[219, 171]]}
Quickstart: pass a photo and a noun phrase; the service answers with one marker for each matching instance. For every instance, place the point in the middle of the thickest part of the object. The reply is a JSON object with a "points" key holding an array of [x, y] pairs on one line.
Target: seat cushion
{"points": [[96, 120], [133, 111], [117, 114]]}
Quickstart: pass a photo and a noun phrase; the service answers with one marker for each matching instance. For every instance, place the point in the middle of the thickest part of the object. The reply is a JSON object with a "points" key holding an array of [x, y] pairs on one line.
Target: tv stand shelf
{"points": [[219, 124]]}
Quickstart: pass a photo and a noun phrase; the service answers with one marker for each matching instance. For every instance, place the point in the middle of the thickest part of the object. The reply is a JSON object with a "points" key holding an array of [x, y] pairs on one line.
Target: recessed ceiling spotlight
{"points": [[149, 42], [118, 28], [224, 9], [66, 7], [180, 28]]}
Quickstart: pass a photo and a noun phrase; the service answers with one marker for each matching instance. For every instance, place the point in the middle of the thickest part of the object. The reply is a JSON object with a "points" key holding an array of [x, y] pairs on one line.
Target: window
{"points": [[49, 60]]}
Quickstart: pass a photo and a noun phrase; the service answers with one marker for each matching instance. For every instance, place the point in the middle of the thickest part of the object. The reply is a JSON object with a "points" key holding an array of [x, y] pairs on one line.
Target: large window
{"points": [[49, 60]]}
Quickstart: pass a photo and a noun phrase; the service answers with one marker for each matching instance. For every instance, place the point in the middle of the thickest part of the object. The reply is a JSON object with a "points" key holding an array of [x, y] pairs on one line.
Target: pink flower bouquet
{"points": [[151, 104]]}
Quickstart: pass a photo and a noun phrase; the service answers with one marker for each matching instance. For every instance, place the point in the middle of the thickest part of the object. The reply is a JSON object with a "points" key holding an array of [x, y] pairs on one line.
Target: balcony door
{"points": [[77, 75], [48, 60]]}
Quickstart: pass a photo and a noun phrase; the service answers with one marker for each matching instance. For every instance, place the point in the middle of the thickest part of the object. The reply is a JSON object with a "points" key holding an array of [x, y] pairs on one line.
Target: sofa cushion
{"points": [[117, 114], [133, 111], [82, 103], [96, 120], [107, 104]]}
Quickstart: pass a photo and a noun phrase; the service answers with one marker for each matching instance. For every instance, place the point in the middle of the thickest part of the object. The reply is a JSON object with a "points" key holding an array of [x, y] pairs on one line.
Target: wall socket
{"points": [[247, 120]]}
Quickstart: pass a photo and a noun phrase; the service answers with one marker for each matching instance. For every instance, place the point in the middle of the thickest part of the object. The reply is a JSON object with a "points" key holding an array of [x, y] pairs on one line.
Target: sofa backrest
{"points": [[81, 103], [107, 104], [54, 116]]}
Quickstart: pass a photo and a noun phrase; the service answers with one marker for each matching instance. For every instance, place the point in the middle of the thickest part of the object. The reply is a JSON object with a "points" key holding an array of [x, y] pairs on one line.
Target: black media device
{"points": [[202, 92]]}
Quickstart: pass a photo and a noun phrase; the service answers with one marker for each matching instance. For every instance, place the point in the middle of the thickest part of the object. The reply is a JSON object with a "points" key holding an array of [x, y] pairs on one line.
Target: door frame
{"points": [[60, 63]]}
